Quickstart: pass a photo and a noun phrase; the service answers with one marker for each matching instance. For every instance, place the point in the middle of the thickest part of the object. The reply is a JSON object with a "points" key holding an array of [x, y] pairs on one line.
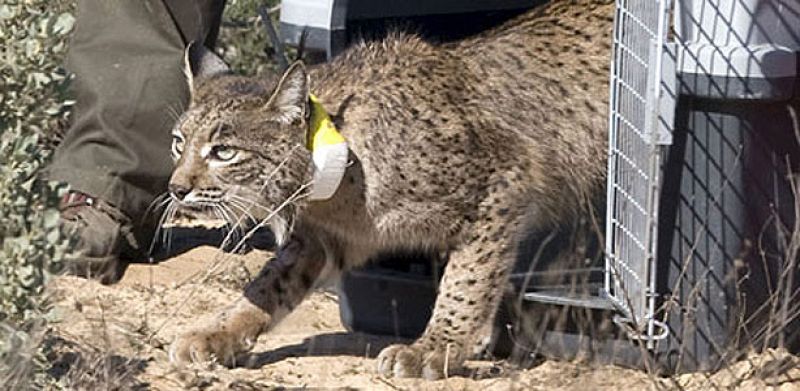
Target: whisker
{"points": [[240, 206], [248, 202], [159, 227], [231, 224], [157, 203], [217, 214], [244, 214], [168, 230], [232, 234], [298, 194], [232, 206], [235, 224], [221, 216], [230, 217]]}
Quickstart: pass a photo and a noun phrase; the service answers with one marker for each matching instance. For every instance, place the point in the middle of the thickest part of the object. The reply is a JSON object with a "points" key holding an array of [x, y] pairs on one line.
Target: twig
{"points": [[387, 382], [277, 45]]}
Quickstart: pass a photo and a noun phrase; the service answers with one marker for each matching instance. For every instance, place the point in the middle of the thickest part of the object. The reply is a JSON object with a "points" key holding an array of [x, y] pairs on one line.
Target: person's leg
{"points": [[129, 87]]}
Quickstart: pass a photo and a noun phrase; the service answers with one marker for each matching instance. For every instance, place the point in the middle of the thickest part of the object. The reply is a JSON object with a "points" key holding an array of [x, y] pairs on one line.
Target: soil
{"points": [[116, 337]]}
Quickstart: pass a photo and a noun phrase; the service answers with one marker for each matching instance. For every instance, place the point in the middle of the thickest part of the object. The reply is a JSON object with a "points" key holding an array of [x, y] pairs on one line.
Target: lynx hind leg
{"points": [[469, 293], [280, 286]]}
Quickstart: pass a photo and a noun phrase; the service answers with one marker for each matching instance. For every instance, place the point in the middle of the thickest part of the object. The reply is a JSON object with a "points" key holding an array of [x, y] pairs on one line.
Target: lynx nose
{"points": [[179, 191]]}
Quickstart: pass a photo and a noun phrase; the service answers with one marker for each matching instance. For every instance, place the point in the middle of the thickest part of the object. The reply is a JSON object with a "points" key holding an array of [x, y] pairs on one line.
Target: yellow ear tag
{"points": [[328, 150], [321, 130]]}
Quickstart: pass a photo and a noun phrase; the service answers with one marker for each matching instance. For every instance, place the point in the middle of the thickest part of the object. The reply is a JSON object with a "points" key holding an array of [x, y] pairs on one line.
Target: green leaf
{"points": [[33, 36]]}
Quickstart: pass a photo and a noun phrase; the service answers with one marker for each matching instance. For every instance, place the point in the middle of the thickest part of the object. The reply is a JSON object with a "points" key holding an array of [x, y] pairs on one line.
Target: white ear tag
{"points": [[329, 152]]}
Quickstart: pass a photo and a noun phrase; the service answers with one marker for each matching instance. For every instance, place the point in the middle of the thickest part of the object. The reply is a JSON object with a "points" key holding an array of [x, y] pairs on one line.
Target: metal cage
{"points": [[699, 137]]}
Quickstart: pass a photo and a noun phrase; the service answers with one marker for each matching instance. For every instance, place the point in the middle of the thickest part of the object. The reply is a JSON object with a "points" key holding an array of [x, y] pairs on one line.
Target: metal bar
{"points": [[558, 298]]}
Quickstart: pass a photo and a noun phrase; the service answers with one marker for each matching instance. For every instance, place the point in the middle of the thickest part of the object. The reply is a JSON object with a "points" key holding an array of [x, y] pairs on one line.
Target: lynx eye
{"points": [[177, 146], [223, 153]]}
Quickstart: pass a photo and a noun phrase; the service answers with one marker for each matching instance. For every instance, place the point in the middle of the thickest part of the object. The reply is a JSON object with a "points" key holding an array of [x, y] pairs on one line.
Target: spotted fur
{"points": [[457, 148]]}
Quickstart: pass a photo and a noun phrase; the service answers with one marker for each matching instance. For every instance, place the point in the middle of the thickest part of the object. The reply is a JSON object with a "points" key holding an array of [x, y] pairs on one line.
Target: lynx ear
{"points": [[290, 98], [199, 62]]}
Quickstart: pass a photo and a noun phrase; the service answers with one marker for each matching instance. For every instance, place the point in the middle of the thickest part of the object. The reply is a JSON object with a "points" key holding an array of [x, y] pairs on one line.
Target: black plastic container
{"points": [[726, 188], [394, 296]]}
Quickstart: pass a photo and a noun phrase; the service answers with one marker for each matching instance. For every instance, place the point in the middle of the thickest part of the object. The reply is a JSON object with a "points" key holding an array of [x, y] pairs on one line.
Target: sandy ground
{"points": [[116, 337]]}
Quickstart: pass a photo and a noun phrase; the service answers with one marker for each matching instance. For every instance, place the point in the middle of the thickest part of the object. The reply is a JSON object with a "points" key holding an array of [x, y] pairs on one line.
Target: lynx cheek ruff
{"points": [[329, 151]]}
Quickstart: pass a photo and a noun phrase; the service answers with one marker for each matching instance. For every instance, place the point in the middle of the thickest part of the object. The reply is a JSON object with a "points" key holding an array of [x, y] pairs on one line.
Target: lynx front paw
{"points": [[211, 344], [416, 360]]}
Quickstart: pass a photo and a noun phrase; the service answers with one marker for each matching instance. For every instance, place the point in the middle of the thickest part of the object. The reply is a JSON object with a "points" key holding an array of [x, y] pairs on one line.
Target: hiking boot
{"points": [[101, 233]]}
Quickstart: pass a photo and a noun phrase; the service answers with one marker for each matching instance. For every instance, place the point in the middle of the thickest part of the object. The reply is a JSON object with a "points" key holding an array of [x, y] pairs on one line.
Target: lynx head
{"points": [[239, 147]]}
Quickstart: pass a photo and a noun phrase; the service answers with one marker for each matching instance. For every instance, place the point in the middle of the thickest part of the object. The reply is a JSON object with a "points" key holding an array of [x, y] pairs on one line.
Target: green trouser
{"points": [[129, 87]]}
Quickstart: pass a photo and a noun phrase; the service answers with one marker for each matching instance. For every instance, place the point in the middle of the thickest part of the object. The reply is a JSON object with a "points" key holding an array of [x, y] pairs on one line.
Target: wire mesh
{"points": [[634, 152]]}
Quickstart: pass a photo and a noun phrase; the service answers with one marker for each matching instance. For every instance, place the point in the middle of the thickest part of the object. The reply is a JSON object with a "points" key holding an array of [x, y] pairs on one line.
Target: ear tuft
{"points": [[290, 97], [200, 62]]}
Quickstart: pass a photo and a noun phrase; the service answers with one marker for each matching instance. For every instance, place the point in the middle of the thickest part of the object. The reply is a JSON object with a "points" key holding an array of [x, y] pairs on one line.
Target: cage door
{"points": [[641, 107]]}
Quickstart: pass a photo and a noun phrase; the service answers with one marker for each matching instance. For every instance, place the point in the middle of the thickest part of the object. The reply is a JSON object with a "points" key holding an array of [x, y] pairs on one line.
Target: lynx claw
{"points": [[207, 345], [415, 361], [400, 361]]}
